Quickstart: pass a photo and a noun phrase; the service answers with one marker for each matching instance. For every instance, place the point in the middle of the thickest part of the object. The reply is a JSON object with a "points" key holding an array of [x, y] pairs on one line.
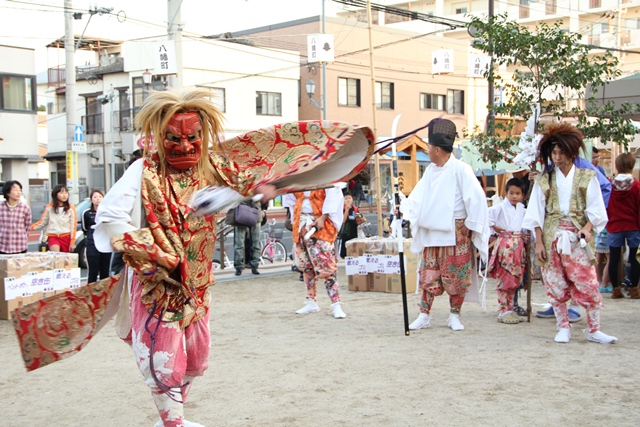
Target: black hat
{"points": [[442, 133]]}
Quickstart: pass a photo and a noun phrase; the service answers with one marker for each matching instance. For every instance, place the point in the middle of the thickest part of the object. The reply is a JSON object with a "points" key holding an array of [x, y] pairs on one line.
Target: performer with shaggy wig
{"points": [[566, 210], [167, 248]]}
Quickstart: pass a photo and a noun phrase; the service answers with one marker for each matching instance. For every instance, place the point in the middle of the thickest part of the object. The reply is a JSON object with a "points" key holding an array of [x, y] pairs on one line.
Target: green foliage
{"points": [[549, 64]]}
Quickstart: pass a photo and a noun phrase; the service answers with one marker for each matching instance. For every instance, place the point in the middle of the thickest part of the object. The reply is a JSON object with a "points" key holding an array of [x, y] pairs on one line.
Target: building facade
{"points": [[18, 115], [112, 90]]}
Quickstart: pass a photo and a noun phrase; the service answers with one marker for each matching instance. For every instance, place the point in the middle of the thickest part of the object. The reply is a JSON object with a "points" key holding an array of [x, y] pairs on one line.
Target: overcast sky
{"points": [[35, 23]]}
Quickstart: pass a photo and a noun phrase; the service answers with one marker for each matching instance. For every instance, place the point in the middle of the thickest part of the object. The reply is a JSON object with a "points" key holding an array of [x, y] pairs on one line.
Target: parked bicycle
{"points": [[272, 249]]}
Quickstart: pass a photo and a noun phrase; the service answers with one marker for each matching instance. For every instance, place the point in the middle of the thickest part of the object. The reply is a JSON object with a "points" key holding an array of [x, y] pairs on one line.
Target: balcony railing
{"points": [[524, 11], [123, 119], [93, 123]]}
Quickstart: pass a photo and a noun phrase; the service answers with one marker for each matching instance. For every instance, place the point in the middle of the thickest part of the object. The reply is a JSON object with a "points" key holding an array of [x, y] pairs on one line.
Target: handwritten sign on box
{"points": [[40, 281], [391, 264], [63, 279], [372, 262], [351, 265], [11, 288], [362, 266]]}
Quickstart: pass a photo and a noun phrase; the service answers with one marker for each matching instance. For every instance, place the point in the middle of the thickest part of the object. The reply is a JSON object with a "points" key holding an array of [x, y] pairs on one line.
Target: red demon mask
{"points": [[183, 140]]}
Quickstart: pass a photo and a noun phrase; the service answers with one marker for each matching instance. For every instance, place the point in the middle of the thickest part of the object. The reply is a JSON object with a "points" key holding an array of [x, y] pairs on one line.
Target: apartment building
{"points": [[405, 83], [18, 114]]}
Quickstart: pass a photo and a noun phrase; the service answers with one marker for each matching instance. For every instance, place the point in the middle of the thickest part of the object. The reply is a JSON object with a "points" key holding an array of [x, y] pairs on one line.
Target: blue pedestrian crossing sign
{"points": [[78, 134]]}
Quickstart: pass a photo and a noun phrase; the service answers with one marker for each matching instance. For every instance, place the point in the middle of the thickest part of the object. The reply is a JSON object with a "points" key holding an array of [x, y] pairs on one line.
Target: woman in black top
{"points": [[97, 262], [349, 228]]}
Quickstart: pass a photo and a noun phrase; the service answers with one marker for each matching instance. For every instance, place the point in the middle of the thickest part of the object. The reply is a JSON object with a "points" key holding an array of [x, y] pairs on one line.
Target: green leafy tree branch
{"points": [[549, 65]]}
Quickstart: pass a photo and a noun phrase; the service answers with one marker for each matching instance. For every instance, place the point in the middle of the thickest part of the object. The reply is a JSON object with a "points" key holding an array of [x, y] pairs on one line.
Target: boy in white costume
{"points": [[509, 257]]}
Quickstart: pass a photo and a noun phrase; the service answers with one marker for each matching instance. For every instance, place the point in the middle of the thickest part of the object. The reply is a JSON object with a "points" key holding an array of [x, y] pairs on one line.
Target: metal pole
{"points": [[491, 118], [174, 30], [324, 76], [375, 121], [113, 157], [70, 97]]}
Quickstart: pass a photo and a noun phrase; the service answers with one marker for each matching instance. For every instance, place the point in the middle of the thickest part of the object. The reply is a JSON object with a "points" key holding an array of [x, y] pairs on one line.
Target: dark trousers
{"points": [[239, 237], [97, 262]]}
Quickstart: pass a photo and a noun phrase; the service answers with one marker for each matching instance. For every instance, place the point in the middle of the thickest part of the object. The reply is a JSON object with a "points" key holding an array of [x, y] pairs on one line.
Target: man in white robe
{"points": [[448, 214]]}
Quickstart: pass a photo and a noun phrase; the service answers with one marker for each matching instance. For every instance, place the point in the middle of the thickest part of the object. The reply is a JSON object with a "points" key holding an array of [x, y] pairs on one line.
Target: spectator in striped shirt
{"points": [[15, 219]]}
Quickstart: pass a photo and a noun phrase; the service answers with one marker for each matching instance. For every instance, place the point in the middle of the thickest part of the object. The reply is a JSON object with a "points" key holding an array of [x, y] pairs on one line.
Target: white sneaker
{"points": [[602, 338], [185, 423], [454, 322], [563, 335], [337, 311], [309, 307], [422, 322]]}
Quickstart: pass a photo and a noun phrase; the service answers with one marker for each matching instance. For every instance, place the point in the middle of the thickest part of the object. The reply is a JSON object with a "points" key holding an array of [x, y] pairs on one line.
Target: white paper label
{"points": [[391, 264], [40, 282], [63, 279], [372, 262], [351, 265], [362, 266]]}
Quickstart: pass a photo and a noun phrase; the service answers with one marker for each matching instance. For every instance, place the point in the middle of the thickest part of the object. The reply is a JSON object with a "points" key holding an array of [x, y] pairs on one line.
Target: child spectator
{"points": [[58, 221], [624, 224], [509, 255]]}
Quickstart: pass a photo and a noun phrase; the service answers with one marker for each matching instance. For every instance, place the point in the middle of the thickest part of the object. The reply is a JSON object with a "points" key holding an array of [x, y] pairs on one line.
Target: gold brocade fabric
{"points": [[172, 256], [578, 206]]}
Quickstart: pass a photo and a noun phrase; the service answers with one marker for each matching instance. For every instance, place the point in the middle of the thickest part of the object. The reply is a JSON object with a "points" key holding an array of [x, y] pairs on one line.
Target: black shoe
{"points": [[238, 271], [254, 270], [301, 277]]}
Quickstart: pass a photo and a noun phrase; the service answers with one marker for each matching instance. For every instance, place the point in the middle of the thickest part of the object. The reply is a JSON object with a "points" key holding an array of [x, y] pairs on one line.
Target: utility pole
{"points": [[375, 121], [324, 75], [491, 117], [70, 102], [113, 146], [174, 30]]}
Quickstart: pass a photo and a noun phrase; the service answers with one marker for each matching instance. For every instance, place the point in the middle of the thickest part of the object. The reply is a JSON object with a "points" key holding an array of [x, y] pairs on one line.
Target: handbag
{"points": [[287, 221], [243, 215]]}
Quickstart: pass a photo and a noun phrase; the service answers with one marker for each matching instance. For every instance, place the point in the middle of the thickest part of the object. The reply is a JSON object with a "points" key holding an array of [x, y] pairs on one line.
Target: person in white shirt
{"points": [[448, 214], [565, 210], [509, 257]]}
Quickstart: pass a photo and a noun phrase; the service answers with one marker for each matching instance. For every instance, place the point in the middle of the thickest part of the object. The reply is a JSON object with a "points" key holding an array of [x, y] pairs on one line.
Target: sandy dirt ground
{"points": [[270, 367]]}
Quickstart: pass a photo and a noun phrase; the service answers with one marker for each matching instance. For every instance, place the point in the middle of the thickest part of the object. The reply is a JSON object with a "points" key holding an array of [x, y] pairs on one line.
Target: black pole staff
{"points": [[398, 218]]}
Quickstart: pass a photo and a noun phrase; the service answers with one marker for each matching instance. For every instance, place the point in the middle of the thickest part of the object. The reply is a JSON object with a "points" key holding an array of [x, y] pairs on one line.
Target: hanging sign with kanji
{"points": [[478, 65], [320, 48], [442, 61], [164, 58]]}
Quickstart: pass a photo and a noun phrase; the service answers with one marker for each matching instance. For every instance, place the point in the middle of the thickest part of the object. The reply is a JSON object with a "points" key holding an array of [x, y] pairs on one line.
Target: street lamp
{"points": [[146, 78], [311, 88]]}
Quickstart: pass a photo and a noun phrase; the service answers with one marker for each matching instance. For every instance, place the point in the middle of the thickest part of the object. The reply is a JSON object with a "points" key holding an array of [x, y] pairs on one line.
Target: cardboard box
{"points": [[377, 282], [20, 264], [359, 283]]}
